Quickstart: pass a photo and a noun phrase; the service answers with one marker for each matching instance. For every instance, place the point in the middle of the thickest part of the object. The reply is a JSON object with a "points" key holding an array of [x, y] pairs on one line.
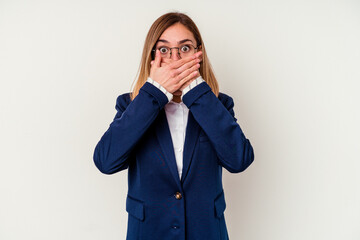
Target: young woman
{"points": [[174, 133]]}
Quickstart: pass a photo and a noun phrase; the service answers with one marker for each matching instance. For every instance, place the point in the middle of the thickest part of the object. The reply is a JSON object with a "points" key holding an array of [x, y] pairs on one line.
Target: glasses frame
{"points": [[178, 48]]}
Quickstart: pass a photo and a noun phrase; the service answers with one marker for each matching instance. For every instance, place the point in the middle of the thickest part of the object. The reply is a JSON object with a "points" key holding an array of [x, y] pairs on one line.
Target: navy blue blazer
{"points": [[160, 205]]}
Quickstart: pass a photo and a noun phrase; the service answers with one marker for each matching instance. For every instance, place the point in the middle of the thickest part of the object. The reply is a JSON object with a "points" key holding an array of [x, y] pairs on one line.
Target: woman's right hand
{"points": [[174, 75]]}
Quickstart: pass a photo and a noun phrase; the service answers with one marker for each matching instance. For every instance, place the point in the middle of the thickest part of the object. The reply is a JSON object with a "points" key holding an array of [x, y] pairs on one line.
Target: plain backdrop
{"points": [[292, 68]]}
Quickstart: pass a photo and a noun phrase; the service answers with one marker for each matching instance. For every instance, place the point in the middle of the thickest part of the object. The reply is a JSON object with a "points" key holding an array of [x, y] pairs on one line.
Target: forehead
{"points": [[177, 32]]}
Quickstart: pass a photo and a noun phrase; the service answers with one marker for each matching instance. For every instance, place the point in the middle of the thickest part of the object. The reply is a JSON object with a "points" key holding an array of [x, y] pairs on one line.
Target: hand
{"points": [[173, 75], [189, 82], [165, 61]]}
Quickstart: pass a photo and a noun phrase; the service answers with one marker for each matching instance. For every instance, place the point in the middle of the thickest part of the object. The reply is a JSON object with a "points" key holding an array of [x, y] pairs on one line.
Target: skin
{"points": [[176, 73]]}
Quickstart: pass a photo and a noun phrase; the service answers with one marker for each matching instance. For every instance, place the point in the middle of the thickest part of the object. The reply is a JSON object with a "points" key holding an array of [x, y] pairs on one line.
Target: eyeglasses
{"points": [[183, 51]]}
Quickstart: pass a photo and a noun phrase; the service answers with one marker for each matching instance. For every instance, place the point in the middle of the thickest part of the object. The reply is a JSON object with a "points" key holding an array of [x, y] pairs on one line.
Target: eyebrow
{"points": [[179, 42]]}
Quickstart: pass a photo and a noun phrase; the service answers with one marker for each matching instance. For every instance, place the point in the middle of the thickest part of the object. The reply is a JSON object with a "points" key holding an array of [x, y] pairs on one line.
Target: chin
{"points": [[177, 93]]}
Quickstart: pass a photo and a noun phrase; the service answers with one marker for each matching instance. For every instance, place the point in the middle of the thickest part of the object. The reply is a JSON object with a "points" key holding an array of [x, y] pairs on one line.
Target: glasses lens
{"points": [[186, 50], [164, 51]]}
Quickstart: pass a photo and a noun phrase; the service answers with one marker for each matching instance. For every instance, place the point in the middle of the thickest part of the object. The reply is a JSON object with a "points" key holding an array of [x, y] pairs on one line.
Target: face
{"points": [[175, 36]]}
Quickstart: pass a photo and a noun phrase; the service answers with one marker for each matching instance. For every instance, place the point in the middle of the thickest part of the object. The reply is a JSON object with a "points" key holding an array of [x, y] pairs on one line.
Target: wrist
{"points": [[192, 85], [160, 87]]}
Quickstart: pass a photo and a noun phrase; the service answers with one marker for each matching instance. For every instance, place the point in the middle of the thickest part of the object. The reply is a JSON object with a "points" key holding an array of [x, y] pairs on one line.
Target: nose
{"points": [[175, 54]]}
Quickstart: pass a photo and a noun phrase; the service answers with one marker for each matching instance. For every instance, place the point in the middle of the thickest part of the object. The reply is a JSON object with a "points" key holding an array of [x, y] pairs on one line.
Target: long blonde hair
{"points": [[157, 28]]}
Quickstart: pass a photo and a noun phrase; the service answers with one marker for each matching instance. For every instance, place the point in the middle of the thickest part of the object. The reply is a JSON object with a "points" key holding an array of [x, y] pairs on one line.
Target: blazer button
{"points": [[178, 195]]}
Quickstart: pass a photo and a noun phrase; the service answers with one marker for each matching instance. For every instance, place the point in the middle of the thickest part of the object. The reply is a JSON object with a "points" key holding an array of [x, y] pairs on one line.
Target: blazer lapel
{"points": [[191, 137], [164, 137]]}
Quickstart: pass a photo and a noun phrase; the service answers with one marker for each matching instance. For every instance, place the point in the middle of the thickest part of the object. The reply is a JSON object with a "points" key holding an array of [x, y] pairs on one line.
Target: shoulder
{"points": [[226, 100], [122, 101]]}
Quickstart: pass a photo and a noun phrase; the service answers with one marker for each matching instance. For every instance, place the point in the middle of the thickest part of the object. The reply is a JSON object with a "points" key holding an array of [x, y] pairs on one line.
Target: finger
{"points": [[188, 65], [187, 82], [188, 72], [198, 54], [157, 58], [166, 61], [179, 63], [152, 62]]}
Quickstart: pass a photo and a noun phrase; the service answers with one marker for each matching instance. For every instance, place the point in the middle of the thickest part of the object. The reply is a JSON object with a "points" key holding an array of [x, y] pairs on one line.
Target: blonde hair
{"points": [[157, 28]]}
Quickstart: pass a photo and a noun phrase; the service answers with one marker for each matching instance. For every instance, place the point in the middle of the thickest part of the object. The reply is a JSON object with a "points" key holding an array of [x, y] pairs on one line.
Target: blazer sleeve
{"points": [[114, 150], [218, 121]]}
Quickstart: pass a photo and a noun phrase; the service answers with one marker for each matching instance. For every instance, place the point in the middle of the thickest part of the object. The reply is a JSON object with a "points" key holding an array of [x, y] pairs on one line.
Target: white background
{"points": [[292, 68]]}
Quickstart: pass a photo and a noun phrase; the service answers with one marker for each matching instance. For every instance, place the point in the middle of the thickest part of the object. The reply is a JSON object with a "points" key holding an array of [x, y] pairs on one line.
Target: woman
{"points": [[174, 133]]}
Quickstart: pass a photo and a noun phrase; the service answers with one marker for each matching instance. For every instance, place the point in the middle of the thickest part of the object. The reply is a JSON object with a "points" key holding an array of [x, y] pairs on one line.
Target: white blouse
{"points": [[177, 116]]}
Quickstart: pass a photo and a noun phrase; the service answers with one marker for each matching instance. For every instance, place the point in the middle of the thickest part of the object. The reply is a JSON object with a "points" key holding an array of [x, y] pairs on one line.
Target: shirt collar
{"points": [[171, 106]]}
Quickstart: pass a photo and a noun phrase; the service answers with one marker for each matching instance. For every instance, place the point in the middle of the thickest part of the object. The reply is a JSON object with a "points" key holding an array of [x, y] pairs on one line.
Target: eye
{"points": [[185, 48], [163, 50]]}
